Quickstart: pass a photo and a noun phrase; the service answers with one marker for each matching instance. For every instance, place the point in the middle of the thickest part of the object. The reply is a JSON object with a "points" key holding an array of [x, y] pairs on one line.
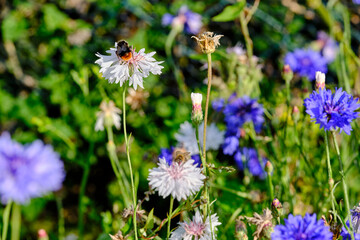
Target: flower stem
{"points": [[129, 162], [169, 216], [207, 105], [346, 196], [270, 186], [15, 222], [6, 216], [330, 177], [61, 220]]}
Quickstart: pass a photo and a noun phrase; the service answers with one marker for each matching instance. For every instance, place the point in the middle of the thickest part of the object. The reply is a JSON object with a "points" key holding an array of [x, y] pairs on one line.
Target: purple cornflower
{"points": [[241, 110], [307, 228], [306, 62], [332, 111], [167, 153], [190, 21], [356, 1], [250, 157], [329, 47], [28, 171]]}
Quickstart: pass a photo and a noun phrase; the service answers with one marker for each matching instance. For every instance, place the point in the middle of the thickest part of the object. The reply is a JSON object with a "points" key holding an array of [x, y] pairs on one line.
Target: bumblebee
{"points": [[123, 50]]}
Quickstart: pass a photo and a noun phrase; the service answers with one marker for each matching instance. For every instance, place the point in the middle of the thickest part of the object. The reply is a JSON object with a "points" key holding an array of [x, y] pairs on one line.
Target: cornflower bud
{"points": [[197, 114], [296, 113], [276, 208], [287, 73], [240, 229], [208, 42], [42, 235], [269, 167], [320, 80]]}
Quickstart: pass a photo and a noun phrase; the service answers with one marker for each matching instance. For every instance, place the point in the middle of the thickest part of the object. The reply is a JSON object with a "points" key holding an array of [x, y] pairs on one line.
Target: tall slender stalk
{"points": [[15, 222], [346, 196], [330, 177], [6, 216], [61, 219], [207, 106], [129, 162], [169, 216]]}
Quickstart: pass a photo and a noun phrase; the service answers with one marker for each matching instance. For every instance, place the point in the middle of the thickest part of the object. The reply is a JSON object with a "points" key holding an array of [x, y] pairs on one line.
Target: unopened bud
{"points": [[197, 114], [42, 235], [320, 80], [331, 183], [269, 167], [287, 73], [240, 230], [296, 113], [276, 208]]}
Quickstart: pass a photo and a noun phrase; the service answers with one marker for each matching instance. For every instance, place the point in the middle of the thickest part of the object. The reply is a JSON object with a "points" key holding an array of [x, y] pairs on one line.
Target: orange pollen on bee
{"points": [[127, 56]]}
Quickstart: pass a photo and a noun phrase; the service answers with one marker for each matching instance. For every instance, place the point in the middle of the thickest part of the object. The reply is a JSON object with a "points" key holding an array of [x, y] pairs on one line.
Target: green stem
{"points": [[129, 162], [81, 200], [169, 216], [207, 105], [330, 177], [248, 41], [16, 222], [6, 216], [61, 220], [270, 186], [346, 196]]}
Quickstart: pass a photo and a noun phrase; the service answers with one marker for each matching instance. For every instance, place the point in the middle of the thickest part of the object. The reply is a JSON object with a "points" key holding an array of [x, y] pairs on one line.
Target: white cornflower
{"points": [[108, 116], [196, 229], [180, 179], [320, 80], [125, 64], [186, 137]]}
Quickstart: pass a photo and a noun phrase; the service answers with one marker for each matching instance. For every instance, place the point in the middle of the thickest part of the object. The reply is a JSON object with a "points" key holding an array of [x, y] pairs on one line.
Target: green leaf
{"points": [[14, 27], [54, 18], [230, 12], [150, 220]]}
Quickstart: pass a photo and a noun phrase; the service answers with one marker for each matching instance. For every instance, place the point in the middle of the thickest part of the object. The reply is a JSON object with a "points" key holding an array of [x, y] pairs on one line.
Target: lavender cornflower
{"points": [[218, 104], [356, 1], [332, 111], [190, 21], [179, 179], [196, 229], [297, 227], [306, 62], [329, 47], [124, 64], [28, 171], [168, 154]]}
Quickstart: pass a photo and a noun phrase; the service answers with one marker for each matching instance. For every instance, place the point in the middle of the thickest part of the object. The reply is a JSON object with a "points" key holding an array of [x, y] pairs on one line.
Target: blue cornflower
{"points": [[28, 171], [167, 153], [332, 111], [346, 235], [307, 228], [306, 62], [218, 104], [190, 21], [250, 157], [356, 1], [241, 110]]}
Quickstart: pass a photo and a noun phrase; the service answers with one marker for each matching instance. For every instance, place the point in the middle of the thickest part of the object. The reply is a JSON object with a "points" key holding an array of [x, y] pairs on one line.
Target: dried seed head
{"points": [[208, 41], [264, 225], [118, 236]]}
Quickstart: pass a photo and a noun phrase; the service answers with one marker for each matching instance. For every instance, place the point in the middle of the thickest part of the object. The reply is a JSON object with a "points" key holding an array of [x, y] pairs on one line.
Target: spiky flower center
{"points": [[195, 229], [175, 171]]}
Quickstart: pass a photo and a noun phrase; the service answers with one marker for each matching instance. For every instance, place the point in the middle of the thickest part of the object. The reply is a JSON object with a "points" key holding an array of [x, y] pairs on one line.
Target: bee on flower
{"points": [[125, 64]]}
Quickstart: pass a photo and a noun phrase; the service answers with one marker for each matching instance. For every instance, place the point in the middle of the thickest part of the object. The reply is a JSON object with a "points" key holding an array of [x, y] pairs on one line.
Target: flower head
{"points": [[136, 99], [108, 116], [297, 227], [185, 19], [329, 47], [28, 171], [196, 229], [169, 155], [250, 157], [187, 138], [332, 110], [264, 225], [208, 41], [180, 179], [306, 62], [124, 64]]}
